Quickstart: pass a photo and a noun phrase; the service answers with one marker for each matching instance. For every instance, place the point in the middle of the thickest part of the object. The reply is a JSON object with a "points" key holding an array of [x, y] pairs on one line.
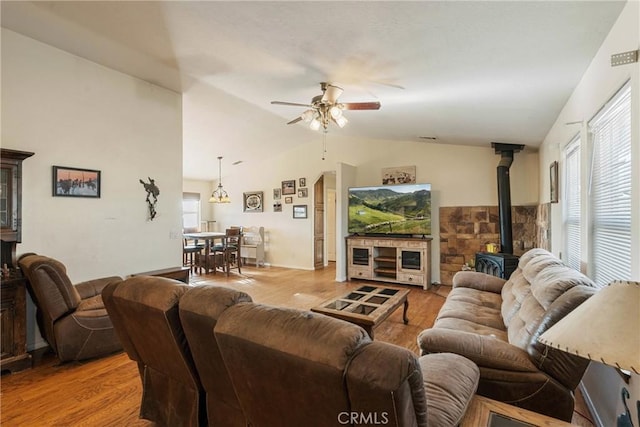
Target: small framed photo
{"points": [[289, 187], [277, 206], [276, 193], [303, 182], [299, 211], [399, 175], [288, 199], [553, 182], [74, 182], [302, 192], [253, 201]]}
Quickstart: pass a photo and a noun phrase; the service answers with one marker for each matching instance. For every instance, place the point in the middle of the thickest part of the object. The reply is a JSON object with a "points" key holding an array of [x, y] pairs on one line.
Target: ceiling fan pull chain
{"points": [[324, 144]]}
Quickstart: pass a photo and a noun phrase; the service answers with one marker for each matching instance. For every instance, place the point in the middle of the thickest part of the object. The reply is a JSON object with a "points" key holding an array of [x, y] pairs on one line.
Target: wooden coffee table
{"points": [[366, 306], [485, 412]]}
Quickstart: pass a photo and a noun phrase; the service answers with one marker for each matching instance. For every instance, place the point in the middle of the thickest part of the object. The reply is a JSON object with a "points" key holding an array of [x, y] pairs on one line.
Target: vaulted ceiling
{"points": [[463, 72]]}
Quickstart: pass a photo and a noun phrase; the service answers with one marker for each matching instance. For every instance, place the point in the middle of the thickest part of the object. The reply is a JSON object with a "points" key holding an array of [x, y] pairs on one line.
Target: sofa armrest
{"points": [[94, 287], [479, 281], [485, 351]]}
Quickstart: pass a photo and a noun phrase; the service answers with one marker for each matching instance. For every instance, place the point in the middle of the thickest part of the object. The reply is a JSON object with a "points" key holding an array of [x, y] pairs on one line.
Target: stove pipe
{"points": [[506, 152]]}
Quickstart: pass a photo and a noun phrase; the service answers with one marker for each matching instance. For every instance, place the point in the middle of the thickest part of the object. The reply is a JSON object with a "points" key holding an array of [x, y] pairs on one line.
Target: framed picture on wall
{"points": [[553, 182], [276, 193], [288, 199], [277, 206], [74, 182], [302, 193], [299, 211], [289, 187], [253, 201], [399, 175]]}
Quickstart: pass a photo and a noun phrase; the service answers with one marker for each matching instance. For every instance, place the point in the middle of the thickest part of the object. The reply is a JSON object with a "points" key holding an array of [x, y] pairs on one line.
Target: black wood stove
{"points": [[504, 263]]}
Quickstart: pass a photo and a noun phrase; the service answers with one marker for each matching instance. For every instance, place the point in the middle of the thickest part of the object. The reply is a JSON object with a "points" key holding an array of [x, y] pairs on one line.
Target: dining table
{"points": [[209, 237]]}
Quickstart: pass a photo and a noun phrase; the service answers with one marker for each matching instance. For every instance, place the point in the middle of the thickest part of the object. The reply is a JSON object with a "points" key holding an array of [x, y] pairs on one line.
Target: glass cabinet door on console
{"points": [[411, 266], [359, 253], [360, 256]]}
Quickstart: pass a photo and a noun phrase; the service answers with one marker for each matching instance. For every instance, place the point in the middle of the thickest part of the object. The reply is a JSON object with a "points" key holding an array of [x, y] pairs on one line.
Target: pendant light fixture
{"points": [[219, 195]]}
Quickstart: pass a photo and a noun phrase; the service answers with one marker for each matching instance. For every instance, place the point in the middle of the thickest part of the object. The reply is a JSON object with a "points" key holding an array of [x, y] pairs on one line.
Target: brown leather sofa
{"points": [[199, 310], [496, 323], [145, 313], [71, 318], [296, 368], [264, 366]]}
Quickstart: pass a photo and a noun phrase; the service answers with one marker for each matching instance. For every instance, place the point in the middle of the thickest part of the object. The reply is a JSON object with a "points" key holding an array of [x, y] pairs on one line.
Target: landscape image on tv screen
{"points": [[390, 209]]}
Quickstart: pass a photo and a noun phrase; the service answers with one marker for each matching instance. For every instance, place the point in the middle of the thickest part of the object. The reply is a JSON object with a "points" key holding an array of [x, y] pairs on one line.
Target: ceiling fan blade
{"points": [[332, 94], [361, 105], [294, 104], [296, 120]]}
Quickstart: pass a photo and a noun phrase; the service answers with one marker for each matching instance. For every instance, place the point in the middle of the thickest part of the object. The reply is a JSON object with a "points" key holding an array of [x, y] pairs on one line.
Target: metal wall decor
{"points": [[152, 196]]}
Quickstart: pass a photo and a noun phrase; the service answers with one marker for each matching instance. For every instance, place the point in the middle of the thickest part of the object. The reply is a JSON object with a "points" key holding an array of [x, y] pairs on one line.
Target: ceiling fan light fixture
{"points": [[315, 124], [307, 116], [341, 121], [335, 111]]}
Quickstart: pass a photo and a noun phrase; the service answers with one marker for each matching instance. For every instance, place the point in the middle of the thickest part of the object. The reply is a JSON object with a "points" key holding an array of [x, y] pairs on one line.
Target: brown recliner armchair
{"points": [[72, 318], [145, 314], [200, 308], [296, 368]]}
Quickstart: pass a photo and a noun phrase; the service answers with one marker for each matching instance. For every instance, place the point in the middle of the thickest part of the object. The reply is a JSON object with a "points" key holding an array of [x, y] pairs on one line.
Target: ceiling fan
{"points": [[325, 108]]}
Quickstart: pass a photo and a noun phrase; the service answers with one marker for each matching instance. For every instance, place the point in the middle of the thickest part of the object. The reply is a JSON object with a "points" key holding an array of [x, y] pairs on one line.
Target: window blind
{"points": [[190, 210], [572, 204], [610, 189]]}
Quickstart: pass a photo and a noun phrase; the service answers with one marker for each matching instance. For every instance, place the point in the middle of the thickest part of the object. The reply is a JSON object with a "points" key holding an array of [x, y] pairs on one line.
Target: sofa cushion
{"points": [[92, 303], [450, 381], [482, 308], [471, 327], [513, 294], [537, 262], [554, 281]]}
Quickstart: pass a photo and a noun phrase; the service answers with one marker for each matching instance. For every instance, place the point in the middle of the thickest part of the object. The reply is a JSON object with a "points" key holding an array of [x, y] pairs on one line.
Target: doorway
{"points": [[318, 223]]}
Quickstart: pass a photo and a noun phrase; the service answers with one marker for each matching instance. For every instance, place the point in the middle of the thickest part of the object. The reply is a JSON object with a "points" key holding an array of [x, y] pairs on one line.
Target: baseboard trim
{"points": [[592, 409]]}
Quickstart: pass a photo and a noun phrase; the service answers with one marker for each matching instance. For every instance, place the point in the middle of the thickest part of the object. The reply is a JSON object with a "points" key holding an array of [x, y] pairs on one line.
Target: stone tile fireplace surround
{"points": [[465, 230]]}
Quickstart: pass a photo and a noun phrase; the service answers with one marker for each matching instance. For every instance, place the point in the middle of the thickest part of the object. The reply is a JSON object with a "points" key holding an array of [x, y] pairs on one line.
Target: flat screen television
{"points": [[390, 209]]}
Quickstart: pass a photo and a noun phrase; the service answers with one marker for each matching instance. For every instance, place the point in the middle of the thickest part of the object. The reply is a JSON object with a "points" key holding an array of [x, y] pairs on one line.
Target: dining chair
{"points": [[226, 255], [192, 251]]}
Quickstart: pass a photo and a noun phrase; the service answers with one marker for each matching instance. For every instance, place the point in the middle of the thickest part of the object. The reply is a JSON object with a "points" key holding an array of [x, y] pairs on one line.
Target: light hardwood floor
{"points": [[106, 391]]}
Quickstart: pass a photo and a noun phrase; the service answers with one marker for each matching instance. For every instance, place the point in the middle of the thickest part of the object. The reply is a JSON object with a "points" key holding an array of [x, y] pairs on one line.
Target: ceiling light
{"points": [[341, 121], [307, 116], [315, 124], [336, 112], [219, 195]]}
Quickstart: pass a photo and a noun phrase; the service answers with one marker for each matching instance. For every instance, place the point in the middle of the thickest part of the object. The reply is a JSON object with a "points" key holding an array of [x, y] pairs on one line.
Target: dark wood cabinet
{"points": [[13, 315]]}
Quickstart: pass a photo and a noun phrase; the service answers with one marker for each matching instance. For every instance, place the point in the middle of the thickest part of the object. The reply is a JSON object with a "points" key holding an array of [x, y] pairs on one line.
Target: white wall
{"points": [[460, 176], [72, 112], [599, 83]]}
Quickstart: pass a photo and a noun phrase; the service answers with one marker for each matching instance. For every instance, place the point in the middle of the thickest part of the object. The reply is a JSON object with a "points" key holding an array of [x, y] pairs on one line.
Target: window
{"points": [[610, 190], [190, 210], [572, 204]]}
